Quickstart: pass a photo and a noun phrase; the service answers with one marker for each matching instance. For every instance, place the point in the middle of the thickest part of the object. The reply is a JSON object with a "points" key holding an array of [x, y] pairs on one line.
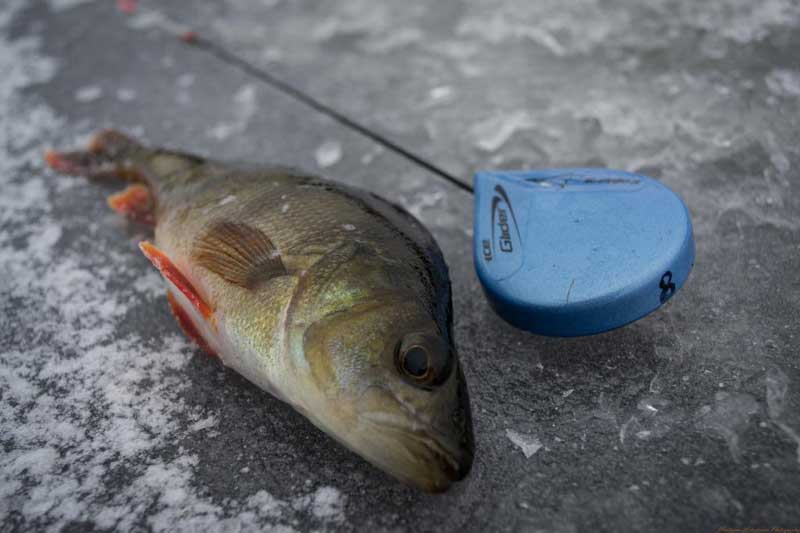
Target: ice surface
{"points": [[86, 400], [618, 83], [702, 95]]}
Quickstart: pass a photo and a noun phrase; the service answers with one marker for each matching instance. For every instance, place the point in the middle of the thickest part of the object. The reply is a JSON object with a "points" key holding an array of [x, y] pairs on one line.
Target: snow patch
{"points": [[328, 153], [126, 95], [205, 423], [64, 5], [442, 92], [391, 40], [728, 418], [185, 81], [88, 93], [326, 503], [244, 108], [529, 444], [493, 133], [784, 82], [424, 201]]}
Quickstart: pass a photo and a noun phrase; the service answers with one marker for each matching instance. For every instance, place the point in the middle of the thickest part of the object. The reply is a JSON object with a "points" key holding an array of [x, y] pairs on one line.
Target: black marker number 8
{"points": [[667, 286]]}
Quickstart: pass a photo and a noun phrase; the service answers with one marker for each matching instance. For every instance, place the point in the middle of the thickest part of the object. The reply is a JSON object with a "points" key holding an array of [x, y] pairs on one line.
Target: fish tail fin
{"points": [[109, 154]]}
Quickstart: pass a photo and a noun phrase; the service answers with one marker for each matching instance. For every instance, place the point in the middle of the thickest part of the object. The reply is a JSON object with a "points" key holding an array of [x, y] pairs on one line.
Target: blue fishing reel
{"points": [[569, 252]]}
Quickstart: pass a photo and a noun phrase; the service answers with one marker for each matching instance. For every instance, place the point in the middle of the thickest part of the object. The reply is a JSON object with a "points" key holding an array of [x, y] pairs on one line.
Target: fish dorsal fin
{"points": [[238, 253]]}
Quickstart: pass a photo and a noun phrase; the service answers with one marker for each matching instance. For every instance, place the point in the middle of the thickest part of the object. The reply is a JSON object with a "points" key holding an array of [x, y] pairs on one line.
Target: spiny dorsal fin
{"points": [[239, 253]]}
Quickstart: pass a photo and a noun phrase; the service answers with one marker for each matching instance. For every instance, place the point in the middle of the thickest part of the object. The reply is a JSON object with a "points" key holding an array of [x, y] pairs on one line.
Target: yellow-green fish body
{"points": [[328, 297]]}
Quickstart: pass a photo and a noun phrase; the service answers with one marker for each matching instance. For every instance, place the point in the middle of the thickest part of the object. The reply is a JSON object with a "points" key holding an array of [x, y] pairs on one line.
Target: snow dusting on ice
{"points": [[92, 410], [244, 108]]}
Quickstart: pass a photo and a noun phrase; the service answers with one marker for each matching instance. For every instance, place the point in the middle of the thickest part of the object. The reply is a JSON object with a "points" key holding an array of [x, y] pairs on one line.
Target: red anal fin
{"points": [[171, 272], [135, 202], [185, 321]]}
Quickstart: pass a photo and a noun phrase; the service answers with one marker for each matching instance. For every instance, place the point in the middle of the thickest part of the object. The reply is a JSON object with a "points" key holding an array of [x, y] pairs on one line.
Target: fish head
{"points": [[392, 391]]}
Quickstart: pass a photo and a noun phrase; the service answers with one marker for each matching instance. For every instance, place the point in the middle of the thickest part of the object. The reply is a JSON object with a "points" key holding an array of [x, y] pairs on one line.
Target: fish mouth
{"points": [[429, 459]]}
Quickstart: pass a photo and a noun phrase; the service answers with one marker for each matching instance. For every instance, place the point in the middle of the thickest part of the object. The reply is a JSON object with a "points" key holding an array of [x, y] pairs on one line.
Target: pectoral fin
{"points": [[171, 272], [240, 254]]}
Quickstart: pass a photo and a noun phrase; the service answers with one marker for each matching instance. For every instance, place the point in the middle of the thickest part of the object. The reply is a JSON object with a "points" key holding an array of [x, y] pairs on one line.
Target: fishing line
{"points": [[292, 91]]}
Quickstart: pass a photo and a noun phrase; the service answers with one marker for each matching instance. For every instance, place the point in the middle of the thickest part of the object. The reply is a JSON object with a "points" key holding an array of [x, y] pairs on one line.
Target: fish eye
{"points": [[416, 362], [424, 359]]}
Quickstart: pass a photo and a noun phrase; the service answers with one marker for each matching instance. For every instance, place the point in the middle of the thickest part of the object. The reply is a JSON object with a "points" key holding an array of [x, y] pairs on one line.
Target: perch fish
{"points": [[330, 298]]}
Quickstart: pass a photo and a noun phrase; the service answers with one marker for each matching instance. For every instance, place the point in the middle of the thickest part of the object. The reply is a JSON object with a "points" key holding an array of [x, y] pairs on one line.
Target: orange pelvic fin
{"points": [[185, 321], [171, 272], [135, 202]]}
